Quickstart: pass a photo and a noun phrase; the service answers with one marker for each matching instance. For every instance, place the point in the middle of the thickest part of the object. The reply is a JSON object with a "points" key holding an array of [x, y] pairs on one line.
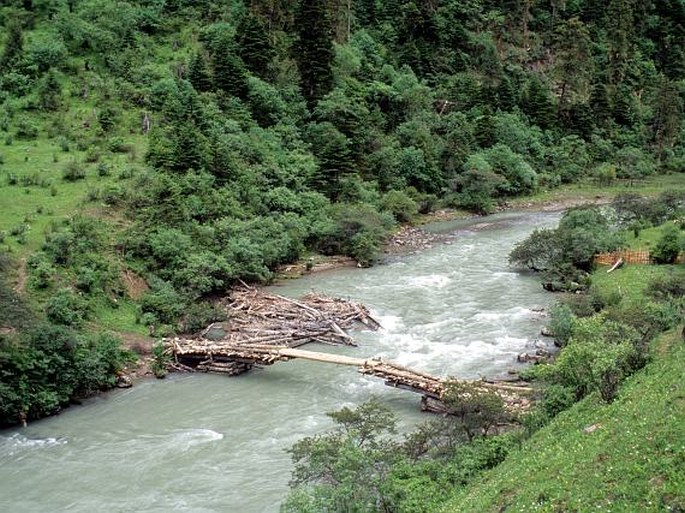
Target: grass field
{"points": [[590, 190]]}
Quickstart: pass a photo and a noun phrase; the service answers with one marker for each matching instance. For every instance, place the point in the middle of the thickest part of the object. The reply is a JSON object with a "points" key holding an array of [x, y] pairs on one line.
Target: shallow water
{"points": [[206, 443]]}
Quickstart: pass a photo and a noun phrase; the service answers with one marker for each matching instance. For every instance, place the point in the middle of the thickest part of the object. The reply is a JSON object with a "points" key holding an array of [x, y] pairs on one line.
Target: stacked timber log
{"points": [[257, 317]]}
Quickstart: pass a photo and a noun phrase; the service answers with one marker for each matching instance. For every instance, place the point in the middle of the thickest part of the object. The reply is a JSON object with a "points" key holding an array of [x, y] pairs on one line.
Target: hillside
{"points": [[623, 456]]}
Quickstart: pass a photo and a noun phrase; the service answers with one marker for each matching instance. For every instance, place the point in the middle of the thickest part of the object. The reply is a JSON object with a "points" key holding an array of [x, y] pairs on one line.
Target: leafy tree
{"points": [[475, 409], [344, 470]]}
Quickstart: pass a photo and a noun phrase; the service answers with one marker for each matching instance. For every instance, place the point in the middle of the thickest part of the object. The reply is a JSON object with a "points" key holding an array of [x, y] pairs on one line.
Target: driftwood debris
{"points": [[257, 317]]}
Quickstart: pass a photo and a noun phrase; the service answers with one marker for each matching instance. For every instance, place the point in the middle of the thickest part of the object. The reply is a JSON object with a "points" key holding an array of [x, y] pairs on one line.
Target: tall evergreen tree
{"points": [[668, 114], [538, 103], [230, 75], [198, 73], [254, 46], [314, 49], [14, 46]]}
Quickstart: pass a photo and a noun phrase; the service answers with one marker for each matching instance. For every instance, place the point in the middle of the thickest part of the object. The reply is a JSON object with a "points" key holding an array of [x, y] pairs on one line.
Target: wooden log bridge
{"points": [[232, 359], [266, 328]]}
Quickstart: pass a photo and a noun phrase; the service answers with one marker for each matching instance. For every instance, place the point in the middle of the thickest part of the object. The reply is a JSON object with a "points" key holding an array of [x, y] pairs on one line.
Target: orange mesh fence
{"points": [[635, 256]]}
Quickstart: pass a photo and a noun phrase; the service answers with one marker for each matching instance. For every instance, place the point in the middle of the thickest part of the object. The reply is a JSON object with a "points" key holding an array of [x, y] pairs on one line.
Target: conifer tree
{"points": [[230, 75], [14, 46], [538, 103], [254, 46], [198, 73], [599, 102], [314, 49]]}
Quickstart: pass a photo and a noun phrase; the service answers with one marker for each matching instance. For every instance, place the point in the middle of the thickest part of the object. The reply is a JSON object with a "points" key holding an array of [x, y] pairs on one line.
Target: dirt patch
{"points": [[20, 286], [135, 285], [141, 345]]}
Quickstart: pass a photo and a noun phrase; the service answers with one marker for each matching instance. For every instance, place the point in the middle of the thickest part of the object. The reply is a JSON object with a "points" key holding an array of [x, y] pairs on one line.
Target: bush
{"points": [[403, 208], [26, 130], [357, 231], [561, 323], [163, 303], [667, 286], [669, 245], [66, 308], [73, 171]]}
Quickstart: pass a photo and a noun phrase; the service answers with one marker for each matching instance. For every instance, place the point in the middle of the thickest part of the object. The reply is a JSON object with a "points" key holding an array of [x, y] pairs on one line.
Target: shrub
{"points": [[163, 303], [561, 323], [66, 308], [400, 205], [667, 286], [41, 275], [26, 130], [199, 315], [356, 231], [668, 246], [103, 169], [92, 154], [73, 171]]}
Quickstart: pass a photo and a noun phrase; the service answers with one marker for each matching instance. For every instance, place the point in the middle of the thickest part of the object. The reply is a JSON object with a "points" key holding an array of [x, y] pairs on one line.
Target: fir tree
{"points": [[254, 47], [599, 102], [230, 74], [538, 103], [314, 49], [14, 46], [198, 73]]}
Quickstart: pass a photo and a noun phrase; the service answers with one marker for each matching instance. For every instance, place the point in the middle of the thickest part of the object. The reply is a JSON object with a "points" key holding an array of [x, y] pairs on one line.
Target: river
{"points": [[205, 443]]}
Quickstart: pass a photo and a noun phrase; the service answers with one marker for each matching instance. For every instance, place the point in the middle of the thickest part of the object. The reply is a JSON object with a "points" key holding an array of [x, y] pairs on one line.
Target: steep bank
{"points": [[623, 456]]}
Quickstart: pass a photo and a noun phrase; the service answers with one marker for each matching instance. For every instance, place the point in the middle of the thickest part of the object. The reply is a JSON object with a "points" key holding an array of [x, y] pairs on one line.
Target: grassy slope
{"points": [[633, 461], [589, 191]]}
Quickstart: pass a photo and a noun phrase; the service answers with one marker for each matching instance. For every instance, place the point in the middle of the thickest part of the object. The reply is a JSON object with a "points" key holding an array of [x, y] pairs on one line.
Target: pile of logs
{"points": [[256, 317]]}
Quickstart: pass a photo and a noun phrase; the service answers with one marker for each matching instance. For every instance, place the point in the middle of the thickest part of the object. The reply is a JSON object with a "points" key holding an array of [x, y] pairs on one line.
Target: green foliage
{"points": [[50, 365], [67, 308], [598, 452], [345, 468], [475, 409], [669, 245], [565, 254], [160, 361], [561, 323], [403, 208], [356, 231], [73, 171]]}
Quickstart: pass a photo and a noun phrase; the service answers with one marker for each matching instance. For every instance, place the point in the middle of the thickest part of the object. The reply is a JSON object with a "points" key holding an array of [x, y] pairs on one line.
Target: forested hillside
{"points": [[154, 152]]}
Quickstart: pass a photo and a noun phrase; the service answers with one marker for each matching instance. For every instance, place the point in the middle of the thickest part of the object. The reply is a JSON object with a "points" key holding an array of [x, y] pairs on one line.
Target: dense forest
{"points": [[183, 145]]}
